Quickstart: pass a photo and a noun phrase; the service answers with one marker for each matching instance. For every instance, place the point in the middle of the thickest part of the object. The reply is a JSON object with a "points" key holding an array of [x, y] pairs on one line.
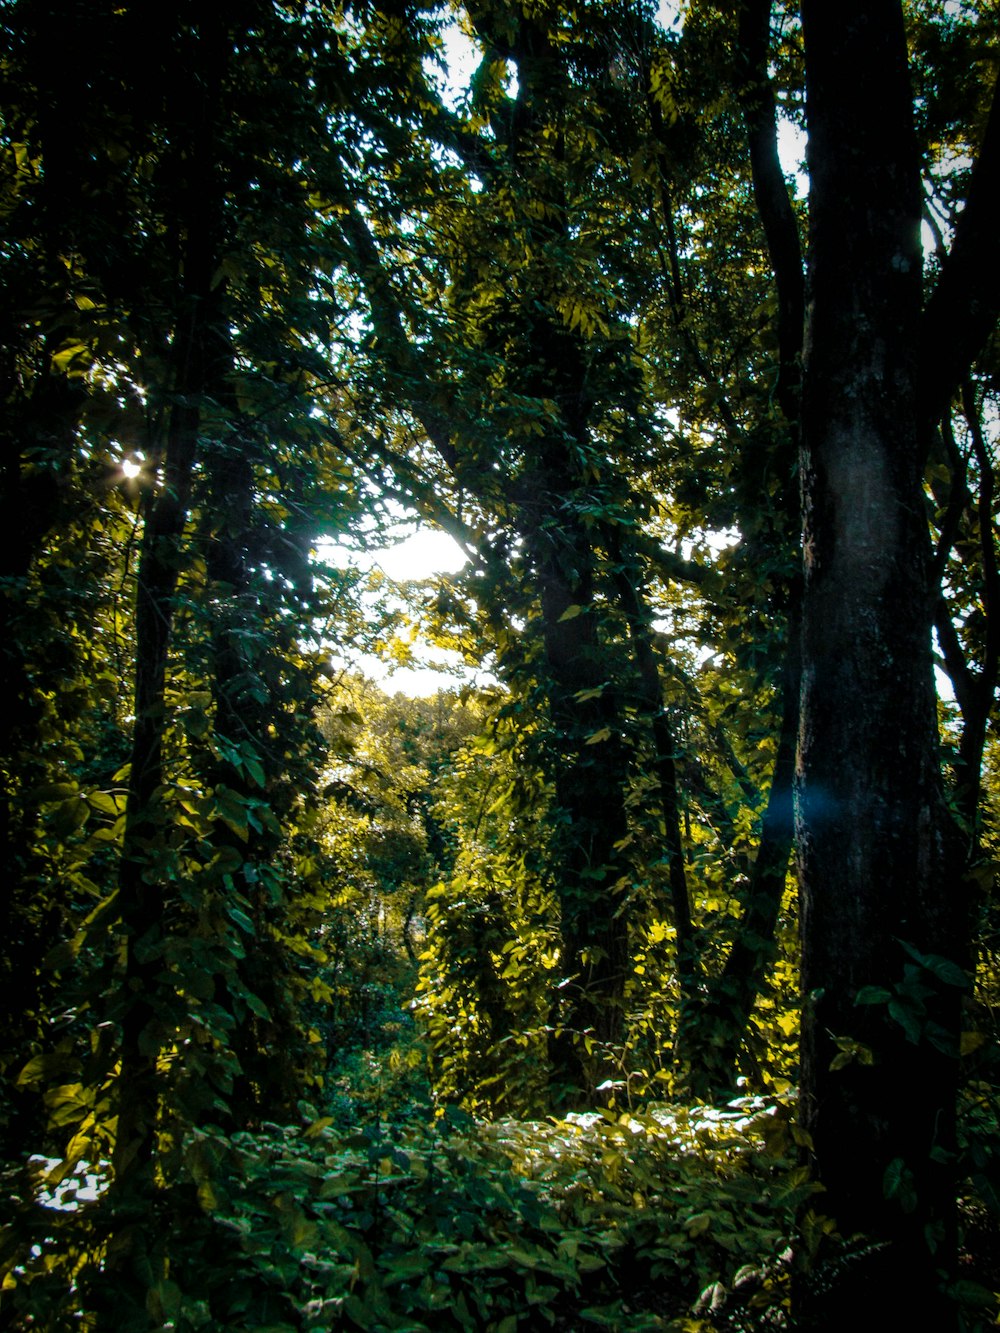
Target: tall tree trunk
{"points": [[628, 575], [587, 758], [878, 1080], [141, 888], [144, 875], [711, 1041]]}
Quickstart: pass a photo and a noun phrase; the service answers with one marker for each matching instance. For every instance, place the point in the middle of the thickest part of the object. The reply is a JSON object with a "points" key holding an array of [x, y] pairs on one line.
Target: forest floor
{"points": [[679, 1218]]}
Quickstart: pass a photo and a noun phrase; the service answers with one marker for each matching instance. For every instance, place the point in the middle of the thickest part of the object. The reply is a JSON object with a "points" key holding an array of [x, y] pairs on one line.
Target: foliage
{"points": [[593, 1221], [271, 277]]}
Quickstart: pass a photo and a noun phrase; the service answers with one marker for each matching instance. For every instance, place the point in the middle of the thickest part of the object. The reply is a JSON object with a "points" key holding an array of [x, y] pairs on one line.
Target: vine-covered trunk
{"points": [[39, 424], [144, 888], [880, 1038], [588, 760], [142, 891]]}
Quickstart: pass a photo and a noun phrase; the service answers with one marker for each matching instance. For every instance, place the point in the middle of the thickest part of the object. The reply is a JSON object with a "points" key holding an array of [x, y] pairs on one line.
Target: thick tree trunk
{"points": [[878, 1080]]}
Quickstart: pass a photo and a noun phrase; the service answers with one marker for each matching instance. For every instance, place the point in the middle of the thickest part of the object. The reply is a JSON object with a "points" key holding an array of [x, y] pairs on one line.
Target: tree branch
{"points": [[964, 307], [773, 204]]}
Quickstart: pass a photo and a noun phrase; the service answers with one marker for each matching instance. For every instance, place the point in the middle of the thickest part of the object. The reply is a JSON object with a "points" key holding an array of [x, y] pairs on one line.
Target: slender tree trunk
{"points": [[710, 1041], [878, 1093], [144, 876], [717, 1030], [629, 590], [141, 887]]}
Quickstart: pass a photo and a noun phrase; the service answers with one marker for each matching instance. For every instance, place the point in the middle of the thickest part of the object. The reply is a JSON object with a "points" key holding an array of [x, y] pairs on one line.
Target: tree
{"points": [[188, 325], [885, 943], [564, 317]]}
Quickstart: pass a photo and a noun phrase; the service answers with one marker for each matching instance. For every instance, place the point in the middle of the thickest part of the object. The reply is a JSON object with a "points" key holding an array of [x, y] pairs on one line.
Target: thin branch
{"points": [[958, 499], [963, 308], [773, 204], [987, 540]]}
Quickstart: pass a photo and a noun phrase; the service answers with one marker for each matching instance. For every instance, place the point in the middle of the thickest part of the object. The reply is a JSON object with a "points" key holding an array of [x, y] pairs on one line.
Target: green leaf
{"points": [[948, 972], [943, 968], [106, 802], [584, 696], [240, 918], [971, 1293], [43, 1067], [907, 1018], [257, 1006], [69, 817], [415, 1264], [598, 737], [899, 1183], [62, 955], [72, 358], [699, 1224], [571, 613], [54, 791], [232, 809]]}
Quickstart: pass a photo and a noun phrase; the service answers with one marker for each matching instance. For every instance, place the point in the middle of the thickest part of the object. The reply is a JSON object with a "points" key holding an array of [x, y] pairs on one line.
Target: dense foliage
{"points": [[654, 982]]}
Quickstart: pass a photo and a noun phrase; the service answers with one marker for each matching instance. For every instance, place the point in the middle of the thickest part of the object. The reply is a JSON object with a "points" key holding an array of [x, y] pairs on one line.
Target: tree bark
{"points": [[871, 828]]}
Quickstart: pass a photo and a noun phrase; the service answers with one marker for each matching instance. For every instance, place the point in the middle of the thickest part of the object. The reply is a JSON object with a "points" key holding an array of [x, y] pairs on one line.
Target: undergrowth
{"points": [[678, 1218], [597, 1220]]}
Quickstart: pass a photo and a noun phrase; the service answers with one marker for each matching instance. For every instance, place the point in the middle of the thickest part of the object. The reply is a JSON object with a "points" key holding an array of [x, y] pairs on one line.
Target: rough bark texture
{"points": [[870, 825]]}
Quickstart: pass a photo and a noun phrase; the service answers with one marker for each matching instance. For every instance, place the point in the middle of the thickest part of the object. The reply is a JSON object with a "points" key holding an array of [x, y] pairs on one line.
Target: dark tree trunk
{"points": [[141, 890], [649, 690], [143, 877], [709, 1044], [586, 756], [872, 834]]}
